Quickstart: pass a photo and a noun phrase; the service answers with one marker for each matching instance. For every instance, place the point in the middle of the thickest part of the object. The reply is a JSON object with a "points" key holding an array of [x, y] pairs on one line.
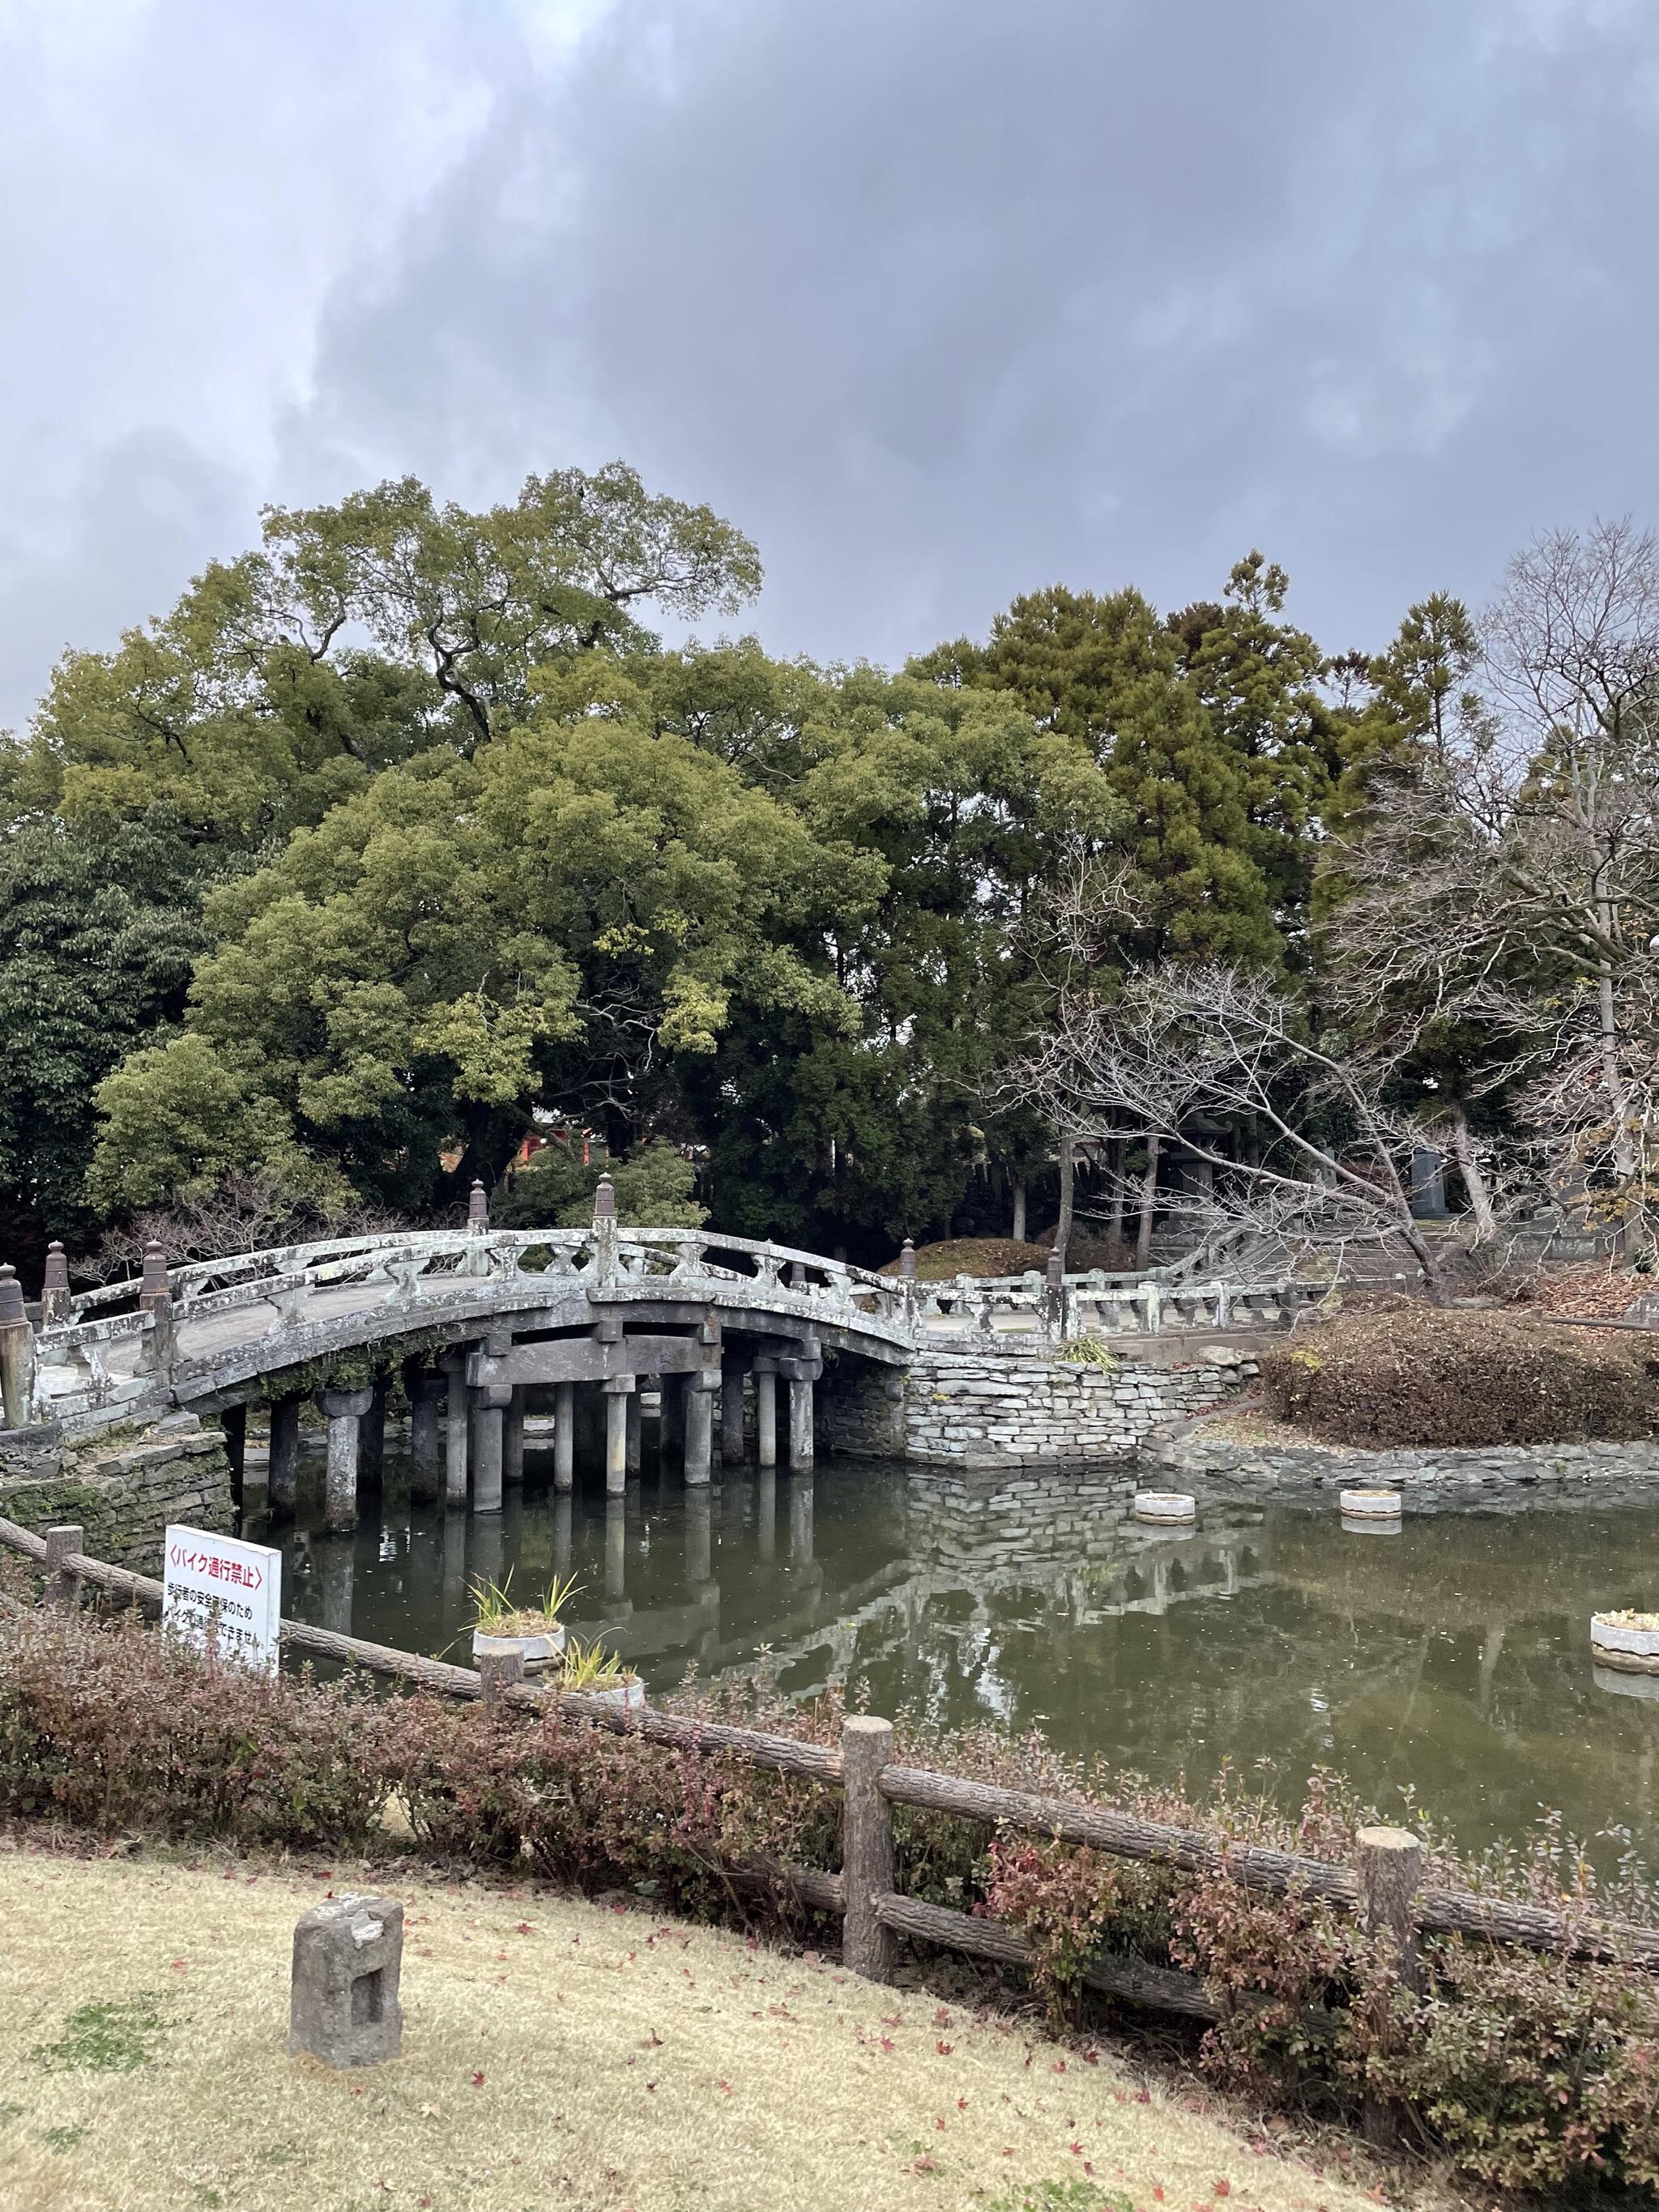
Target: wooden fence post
{"points": [[866, 1747], [64, 1590], [497, 1671], [1389, 1865]]}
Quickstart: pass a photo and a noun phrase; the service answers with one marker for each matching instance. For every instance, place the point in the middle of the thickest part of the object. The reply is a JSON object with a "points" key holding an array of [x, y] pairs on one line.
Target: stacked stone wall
{"points": [[123, 1489], [1614, 1473], [997, 1409]]}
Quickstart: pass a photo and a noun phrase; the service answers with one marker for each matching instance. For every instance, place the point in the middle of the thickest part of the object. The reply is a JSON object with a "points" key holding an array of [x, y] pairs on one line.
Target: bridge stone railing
{"points": [[979, 1307], [130, 1345], [124, 1344]]}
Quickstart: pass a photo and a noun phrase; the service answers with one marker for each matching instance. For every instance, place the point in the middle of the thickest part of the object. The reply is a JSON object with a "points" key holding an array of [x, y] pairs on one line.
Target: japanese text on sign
{"points": [[221, 1595]]}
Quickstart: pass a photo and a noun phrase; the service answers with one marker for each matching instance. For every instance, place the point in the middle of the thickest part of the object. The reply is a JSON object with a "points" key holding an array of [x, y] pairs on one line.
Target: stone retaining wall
{"points": [[1425, 1476], [996, 1409], [122, 1488]]}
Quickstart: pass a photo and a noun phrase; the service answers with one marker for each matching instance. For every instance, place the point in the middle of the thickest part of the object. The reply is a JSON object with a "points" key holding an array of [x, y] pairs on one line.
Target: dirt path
{"points": [[557, 2053]]}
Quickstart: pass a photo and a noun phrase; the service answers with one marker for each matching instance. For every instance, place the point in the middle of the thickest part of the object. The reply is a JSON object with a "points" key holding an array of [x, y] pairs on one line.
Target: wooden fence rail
{"points": [[1381, 1888]]}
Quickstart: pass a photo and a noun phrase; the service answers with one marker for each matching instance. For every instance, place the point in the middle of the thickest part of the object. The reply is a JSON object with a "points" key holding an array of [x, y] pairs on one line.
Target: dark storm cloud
{"points": [[946, 299], [941, 299]]}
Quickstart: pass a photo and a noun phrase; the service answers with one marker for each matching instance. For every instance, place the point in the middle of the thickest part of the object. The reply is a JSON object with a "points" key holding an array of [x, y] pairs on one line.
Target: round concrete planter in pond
{"points": [[1624, 1686], [1369, 1504], [628, 1694], [541, 1647], [1627, 1642], [1166, 1506]]}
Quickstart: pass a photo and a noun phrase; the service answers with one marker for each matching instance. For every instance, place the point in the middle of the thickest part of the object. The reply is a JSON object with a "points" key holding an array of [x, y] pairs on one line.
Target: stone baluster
{"points": [[801, 1374], [425, 1393], [699, 1538], [456, 1429], [56, 1305], [564, 1435], [513, 1439], [766, 1513], [283, 1470], [670, 1415], [619, 1389], [732, 1412], [16, 1353], [801, 1488], [371, 1436], [616, 1547], [233, 1427], [700, 1389], [766, 1412], [489, 1404], [1054, 1294], [344, 1410], [477, 1210]]}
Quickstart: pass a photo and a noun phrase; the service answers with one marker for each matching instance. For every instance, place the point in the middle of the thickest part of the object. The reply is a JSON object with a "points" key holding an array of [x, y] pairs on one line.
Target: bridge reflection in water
{"points": [[1451, 1657]]}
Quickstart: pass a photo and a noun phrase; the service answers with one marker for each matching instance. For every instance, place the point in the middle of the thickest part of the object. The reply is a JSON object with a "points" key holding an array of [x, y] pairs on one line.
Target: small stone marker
{"points": [[348, 1960]]}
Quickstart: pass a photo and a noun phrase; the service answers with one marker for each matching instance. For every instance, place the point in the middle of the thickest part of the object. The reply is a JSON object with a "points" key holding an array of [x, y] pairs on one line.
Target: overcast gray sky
{"points": [[941, 299]]}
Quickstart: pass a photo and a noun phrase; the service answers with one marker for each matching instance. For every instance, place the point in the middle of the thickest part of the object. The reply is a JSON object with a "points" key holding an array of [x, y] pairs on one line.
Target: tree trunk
{"points": [[1018, 1232], [1068, 1185], [1120, 1196], [1623, 1152], [1148, 1199], [1461, 1145]]}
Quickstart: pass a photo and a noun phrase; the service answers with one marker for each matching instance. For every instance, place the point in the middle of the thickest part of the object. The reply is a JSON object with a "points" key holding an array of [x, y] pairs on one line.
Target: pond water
{"points": [[1450, 1658]]}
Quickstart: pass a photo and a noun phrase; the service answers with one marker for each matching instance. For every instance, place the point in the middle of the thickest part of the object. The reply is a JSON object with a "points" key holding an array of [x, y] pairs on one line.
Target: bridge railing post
{"points": [[56, 1305], [155, 1298], [16, 1353], [604, 1230]]}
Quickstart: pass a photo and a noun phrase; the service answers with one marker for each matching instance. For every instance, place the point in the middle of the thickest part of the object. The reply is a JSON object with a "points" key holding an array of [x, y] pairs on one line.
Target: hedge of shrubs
{"points": [[1528, 2070], [1420, 1374]]}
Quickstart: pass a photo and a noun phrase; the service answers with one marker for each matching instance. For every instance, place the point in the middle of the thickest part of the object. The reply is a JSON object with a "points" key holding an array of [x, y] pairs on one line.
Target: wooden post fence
{"points": [[1383, 1889], [866, 1852]]}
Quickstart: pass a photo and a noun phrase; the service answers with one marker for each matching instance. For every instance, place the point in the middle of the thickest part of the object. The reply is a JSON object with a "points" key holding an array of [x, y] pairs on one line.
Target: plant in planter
{"points": [[500, 1624], [600, 1674]]}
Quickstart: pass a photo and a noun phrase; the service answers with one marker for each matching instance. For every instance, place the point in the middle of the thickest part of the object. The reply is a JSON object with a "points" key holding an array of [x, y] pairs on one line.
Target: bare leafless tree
{"points": [[1189, 1053], [1509, 876], [240, 1213]]}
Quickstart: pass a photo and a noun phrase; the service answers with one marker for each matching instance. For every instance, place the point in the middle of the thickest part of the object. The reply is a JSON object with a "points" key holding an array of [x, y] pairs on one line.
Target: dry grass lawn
{"points": [[557, 2053]]}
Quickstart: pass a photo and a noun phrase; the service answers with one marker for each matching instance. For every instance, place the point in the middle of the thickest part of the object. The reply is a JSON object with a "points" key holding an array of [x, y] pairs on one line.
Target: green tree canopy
{"points": [[97, 935], [566, 915], [358, 636]]}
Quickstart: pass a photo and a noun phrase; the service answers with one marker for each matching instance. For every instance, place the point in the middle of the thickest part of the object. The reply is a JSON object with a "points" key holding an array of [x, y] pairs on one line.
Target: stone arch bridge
{"points": [[728, 1333], [477, 1321]]}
